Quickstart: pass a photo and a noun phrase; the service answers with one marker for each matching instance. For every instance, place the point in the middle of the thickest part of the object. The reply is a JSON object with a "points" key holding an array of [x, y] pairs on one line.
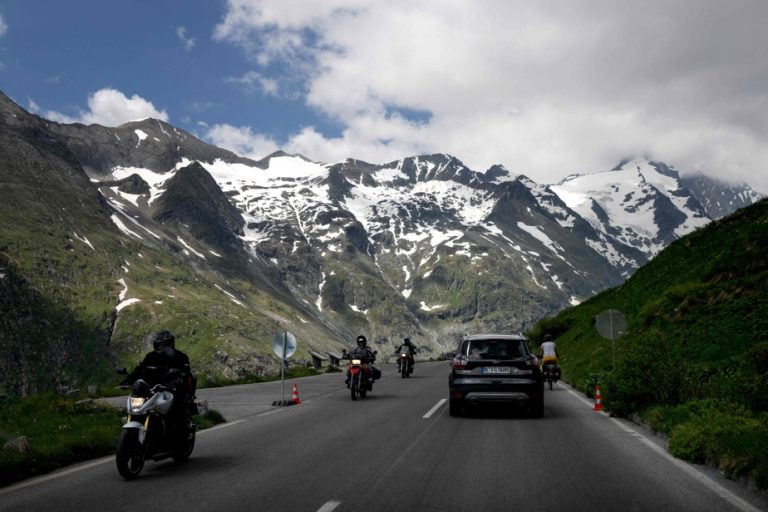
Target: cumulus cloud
{"points": [[544, 89], [110, 107], [241, 140], [181, 33]]}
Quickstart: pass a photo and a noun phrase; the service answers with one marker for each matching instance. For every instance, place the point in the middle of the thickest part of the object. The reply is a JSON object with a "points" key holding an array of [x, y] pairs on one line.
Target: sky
{"points": [[546, 89]]}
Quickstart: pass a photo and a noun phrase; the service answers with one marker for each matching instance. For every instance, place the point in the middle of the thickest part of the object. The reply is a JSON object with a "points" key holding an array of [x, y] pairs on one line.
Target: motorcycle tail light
{"points": [[459, 362]]}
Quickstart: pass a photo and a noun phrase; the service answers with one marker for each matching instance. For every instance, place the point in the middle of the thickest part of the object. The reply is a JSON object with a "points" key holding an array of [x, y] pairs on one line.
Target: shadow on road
{"points": [[506, 412], [194, 465]]}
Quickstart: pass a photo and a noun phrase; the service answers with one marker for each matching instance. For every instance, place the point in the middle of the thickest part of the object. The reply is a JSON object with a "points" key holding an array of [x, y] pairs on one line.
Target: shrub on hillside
{"points": [[718, 432], [651, 372]]}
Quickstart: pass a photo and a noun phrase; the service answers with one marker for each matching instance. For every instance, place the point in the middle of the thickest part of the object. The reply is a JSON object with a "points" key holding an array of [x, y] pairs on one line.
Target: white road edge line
{"points": [[436, 407], [329, 506], [87, 465], [273, 411], [220, 426], [721, 491], [53, 476]]}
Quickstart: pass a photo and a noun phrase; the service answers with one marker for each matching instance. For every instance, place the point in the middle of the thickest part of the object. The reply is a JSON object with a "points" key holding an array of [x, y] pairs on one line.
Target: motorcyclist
{"points": [[548, 351], [155, 367], [365, 354], [408, 348]]}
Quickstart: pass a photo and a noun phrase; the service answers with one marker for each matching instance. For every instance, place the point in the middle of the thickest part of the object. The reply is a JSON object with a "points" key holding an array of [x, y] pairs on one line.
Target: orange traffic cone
{"points": [[598, 400], [295, 394]]}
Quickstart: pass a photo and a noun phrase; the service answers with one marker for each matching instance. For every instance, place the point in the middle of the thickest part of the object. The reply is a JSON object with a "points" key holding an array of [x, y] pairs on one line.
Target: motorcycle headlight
{"points": [[404, 355], [356, 361], [136, 402]]}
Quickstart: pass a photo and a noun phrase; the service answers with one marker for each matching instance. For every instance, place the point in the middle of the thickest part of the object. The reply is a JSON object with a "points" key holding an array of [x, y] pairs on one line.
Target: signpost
{"points": [[611, 324], [283, 345]]}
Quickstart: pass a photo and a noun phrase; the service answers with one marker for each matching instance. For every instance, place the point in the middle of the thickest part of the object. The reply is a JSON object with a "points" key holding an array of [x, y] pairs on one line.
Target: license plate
{"points": [[496, 370]]}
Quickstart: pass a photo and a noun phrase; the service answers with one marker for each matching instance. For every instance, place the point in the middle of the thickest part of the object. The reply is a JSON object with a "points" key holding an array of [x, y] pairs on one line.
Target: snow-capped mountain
{"points": [[718, 198], [354, 240], [640, 204], [229, 249], [394, 223]]}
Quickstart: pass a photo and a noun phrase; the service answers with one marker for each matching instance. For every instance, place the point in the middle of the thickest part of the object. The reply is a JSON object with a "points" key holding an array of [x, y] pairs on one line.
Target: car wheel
{"points": [[537, 407], [454, 407]]}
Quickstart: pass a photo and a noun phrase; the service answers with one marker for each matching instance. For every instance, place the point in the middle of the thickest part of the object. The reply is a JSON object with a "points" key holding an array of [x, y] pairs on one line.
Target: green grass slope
{"points": [[694, 362]]}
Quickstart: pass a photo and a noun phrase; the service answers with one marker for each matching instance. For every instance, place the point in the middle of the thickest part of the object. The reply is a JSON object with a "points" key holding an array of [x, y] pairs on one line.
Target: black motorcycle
{"points": [[151, 430]]}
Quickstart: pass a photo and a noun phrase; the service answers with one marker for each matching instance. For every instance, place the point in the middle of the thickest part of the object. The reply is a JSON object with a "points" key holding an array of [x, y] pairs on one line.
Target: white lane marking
{"points": [[329, 506], [721, 491], [436, 407]]}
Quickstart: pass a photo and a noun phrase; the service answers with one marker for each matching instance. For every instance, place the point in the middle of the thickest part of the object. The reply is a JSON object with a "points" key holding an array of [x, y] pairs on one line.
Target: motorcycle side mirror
{"points": [[375, 352], [121, 371]]}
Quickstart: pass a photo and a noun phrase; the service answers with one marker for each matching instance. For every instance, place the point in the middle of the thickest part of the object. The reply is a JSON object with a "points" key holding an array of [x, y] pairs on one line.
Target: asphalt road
{"points": [[396, 450]]}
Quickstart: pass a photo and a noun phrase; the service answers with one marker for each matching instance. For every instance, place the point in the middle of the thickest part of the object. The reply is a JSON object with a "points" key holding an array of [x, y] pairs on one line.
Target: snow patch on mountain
{"points": [[84, 240], [155, 180], [624, 204], [539, 235]]}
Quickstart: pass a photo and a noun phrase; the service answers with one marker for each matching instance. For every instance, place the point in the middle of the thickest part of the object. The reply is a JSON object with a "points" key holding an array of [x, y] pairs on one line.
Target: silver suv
{"points": [[495, 368]]}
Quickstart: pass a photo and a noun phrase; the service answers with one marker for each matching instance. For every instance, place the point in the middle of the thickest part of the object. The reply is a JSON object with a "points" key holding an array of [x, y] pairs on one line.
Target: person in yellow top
{"points": [[548, 352]]}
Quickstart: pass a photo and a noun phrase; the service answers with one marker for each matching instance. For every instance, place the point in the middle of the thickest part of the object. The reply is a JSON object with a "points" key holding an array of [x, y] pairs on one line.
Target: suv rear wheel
{"points": [[537, 407], [454, 407]]}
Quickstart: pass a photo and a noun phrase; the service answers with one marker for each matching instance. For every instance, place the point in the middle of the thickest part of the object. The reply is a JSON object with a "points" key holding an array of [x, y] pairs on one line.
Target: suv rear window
{"points": [[494, 349]]}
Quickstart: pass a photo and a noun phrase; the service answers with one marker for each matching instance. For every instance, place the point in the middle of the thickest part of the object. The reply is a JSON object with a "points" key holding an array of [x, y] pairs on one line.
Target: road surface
{"points": [[396, 450]]}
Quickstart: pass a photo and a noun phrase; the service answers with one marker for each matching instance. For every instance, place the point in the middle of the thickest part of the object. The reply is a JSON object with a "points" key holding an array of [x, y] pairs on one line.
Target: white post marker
{"points": [[283, 345]]}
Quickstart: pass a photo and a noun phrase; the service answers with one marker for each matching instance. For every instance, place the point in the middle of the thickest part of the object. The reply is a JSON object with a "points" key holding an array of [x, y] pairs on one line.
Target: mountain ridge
{"points": [[421, 246]]}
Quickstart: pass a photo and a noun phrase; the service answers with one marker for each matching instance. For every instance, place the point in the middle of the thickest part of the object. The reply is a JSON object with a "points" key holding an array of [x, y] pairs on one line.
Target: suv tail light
{"points": [[459, 362], [533, 361]]}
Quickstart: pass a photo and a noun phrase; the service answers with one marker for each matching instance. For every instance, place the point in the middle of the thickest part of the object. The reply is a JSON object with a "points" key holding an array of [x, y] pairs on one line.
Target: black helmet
{"points": [[164, 339], [547, 337], [361, 341], [407, 340]]}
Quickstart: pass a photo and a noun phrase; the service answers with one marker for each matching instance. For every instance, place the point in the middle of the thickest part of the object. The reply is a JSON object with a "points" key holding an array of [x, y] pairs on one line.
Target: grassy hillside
{"points": [[694, 362]]}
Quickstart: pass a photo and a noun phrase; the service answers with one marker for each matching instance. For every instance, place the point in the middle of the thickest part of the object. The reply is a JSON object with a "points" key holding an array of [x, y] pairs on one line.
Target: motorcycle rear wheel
{"points": [[183, 450], [129, 455]]}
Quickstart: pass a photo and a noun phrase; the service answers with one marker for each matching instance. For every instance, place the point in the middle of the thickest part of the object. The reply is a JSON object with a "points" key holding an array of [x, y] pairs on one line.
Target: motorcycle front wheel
{"points": [[129, 455], [353, 387]]}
